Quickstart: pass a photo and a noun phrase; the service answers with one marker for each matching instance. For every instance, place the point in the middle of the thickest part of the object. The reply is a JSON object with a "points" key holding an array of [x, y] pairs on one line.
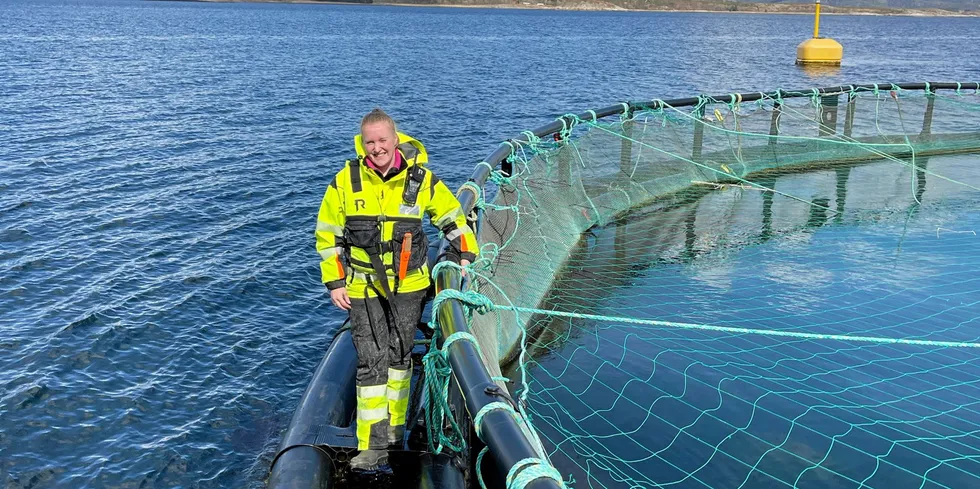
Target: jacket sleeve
{"points": [[447, 215], [330, 237]]}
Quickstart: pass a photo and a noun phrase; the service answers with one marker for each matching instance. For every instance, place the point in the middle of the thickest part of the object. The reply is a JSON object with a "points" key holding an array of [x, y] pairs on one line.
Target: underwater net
{"points": [[766, 290]]}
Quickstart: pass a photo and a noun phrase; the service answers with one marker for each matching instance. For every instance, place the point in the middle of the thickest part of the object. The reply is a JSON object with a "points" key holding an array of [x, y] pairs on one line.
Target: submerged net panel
{"points": [[770, 294]]}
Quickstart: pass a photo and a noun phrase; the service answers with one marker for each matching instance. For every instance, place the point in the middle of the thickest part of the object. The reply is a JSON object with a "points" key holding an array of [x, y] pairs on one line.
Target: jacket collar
{"points": [[400, 164]]}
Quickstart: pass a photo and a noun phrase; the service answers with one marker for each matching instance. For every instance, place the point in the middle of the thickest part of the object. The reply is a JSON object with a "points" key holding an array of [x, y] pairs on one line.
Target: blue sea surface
{"points": [[161, 165]]}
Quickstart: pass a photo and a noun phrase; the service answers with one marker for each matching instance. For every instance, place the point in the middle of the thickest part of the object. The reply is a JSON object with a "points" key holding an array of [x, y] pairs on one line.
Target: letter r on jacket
{"points": [[359, 204]]}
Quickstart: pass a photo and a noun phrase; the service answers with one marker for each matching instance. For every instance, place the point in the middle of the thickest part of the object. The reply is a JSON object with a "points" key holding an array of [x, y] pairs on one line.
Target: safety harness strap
{"points": [[355, 174], [379, 268]]}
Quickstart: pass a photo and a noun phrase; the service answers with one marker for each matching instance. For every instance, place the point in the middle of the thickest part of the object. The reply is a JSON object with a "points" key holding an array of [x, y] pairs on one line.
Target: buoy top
{"points": [[816, 22]]}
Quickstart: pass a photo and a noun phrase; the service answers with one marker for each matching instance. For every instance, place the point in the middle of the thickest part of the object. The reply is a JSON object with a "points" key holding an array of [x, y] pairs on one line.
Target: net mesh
{"points": [[778, 293]]}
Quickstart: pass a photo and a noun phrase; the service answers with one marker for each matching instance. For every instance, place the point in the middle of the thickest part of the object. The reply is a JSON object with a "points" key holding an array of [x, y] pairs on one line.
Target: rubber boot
{"points": [[369, 460]]}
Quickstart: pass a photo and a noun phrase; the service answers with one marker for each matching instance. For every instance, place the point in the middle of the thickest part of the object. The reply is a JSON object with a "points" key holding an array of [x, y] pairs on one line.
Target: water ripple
{"points": [[161, 165]]}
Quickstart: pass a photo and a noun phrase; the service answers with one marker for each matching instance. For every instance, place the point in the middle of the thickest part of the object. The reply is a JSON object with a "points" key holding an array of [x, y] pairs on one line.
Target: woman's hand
{"points": [[340, 298]]}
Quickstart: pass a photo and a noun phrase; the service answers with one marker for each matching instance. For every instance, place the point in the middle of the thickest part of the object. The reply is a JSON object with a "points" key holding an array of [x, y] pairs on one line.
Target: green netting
{"points": [[780, 293]]}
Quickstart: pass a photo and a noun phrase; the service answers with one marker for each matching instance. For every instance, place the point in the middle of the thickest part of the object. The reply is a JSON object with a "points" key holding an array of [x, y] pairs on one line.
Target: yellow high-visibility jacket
{"points": [[363, 220]]}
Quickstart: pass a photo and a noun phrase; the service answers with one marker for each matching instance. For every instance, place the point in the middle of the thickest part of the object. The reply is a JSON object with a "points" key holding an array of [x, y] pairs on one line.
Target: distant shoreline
{"points": [[597, 6]]}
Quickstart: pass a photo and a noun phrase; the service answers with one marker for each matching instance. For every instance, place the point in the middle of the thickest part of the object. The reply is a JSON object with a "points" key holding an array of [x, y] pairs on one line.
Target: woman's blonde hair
{"points": [[378, 115]]}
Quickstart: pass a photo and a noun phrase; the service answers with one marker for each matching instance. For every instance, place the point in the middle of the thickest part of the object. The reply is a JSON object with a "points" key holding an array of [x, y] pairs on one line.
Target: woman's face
{"points": [[379, 140]]}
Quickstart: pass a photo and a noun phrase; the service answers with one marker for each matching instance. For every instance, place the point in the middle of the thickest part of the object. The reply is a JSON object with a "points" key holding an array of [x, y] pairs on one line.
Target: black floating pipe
{"points": [[500, 430], [328, 400]]}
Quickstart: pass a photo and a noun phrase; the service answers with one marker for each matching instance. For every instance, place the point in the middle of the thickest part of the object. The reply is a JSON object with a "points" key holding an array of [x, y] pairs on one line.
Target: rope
{"points": [[524, 471], [529, 469], [477, 190], [487, 409], [729, 329], [439, 371], [437, 375], [901, 119]]}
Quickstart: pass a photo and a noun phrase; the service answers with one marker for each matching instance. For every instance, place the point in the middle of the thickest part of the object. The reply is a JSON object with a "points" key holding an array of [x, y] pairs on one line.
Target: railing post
{"points": [[626, 152], [564, 166], [849, 116], [828, 114], [698, 134], [927, 118], [777, 110]]}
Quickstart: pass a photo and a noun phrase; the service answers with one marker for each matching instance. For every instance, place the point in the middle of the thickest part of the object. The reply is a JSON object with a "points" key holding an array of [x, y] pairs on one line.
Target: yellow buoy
{"points": [[819, 50]]}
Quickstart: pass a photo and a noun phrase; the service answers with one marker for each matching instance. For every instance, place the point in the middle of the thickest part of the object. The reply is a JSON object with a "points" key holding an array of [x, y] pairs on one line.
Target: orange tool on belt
{"points": [[405, 255]]}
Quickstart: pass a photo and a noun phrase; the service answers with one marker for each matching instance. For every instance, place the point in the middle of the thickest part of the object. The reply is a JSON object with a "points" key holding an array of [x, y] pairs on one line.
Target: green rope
{"points": [[730, 329], [487, 409], [461, 335], [529, 469], [908, 141], [698, 109], [499, 178], [566, 127], [626, 114], [437, 366], [815, 99], [479, 467], [524, 471], [438, 372]]}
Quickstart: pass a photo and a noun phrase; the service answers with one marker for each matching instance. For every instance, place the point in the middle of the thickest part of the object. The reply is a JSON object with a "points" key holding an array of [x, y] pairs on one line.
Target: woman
{"points": [[374, 262]]}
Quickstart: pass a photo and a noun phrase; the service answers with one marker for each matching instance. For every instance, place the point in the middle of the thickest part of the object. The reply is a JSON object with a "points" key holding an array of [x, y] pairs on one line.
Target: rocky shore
{"points": [[652, 5]]}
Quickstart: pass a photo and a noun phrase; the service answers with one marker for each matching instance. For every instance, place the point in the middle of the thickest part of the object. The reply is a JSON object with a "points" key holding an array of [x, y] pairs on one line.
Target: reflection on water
{"points": [[718, 218], [816, 72]]}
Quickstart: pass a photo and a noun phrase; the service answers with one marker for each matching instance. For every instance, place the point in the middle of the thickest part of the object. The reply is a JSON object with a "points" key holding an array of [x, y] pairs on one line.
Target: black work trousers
{"points": [[384, 335]]}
